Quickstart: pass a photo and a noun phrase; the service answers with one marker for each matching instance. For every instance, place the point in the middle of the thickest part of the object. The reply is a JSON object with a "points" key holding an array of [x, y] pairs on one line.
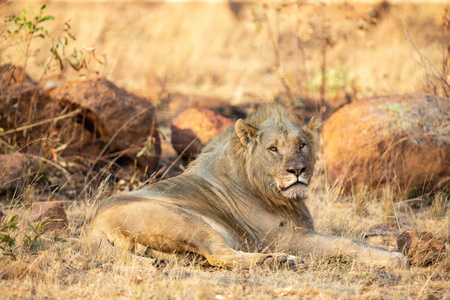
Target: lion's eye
{"points": [[273, 149], [301, 146]]}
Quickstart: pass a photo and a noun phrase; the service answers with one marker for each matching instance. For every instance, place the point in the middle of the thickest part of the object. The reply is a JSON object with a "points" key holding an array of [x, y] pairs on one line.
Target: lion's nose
{"points": [[296, 171]]}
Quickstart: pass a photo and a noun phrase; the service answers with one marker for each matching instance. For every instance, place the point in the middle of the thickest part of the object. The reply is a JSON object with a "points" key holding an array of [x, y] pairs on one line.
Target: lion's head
{"points": [[279, 155]]}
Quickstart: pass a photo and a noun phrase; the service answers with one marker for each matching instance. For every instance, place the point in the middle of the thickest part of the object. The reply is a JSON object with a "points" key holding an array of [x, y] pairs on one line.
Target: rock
{"points": [[10, 75], [176, 103], [422, 248], [402, 140], [51, 82], [51, 213], [25, 103], [122, 120], [32, 98], [12, 170], [201, 125]]}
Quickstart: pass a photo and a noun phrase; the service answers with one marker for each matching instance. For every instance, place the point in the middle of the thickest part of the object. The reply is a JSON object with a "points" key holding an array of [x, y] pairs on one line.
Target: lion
{"points": [[241, 203]]}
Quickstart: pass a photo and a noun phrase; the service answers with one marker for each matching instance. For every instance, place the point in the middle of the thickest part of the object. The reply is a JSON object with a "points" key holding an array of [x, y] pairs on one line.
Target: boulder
{"points": [[12, 170], [176, 103], [11, 75], [115, 117], [51, 213], [422, 248], [25, 103], [402, 140], [193, 128], [29, 102]]}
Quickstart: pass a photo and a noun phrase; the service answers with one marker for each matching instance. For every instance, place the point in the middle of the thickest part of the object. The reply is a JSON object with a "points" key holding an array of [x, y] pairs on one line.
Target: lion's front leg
{"points": [[321, 245], [230, 258]]}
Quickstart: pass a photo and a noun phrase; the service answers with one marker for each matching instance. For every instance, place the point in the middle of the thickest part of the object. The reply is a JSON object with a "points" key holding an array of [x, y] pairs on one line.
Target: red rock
{"points": [[52, 82], [31, 96], [402, 140], [196, 126], [422, 248], [176, 103], [12, 170], [51, 213], [10, 75], [120, 119]]}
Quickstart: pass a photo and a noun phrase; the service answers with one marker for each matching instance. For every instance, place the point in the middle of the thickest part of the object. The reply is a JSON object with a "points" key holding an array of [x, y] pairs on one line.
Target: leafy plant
{"points": [[34, 243], [29, 28], [78, 60], [7, 241], [10, 243]]}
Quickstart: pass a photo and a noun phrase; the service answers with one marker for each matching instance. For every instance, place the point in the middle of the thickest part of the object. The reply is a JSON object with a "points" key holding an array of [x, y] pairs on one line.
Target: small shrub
{"points": [[7, 238], [13, 240]]}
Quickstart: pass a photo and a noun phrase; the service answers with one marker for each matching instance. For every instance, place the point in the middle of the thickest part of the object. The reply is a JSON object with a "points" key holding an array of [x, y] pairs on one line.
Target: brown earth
{"points": [[403, 140]]}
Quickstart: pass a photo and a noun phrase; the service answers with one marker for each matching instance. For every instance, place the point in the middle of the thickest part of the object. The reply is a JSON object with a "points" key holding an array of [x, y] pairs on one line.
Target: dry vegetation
{"points": [[63, 269], [258, 54], [207, 48]]}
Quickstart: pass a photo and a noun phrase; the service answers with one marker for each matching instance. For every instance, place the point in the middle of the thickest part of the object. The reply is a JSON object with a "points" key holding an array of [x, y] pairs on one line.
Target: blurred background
{"points": [[247, 51]]}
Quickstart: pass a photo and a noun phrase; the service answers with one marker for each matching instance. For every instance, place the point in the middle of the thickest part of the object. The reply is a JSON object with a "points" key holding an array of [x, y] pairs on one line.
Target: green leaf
{"points": [[47, 61], [13, 257], [45, 19], [32, 228], [71, 64], [43, 29]]}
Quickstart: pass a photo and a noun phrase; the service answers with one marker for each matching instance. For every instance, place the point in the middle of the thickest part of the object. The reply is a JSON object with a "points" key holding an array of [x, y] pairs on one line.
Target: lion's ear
{"points": [[312, 133], [244, 132], [313, 124]]}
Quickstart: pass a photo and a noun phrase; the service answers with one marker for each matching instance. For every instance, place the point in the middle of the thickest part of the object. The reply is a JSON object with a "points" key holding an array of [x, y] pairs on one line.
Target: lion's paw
{"points": [[387, 260], [279, 261]]}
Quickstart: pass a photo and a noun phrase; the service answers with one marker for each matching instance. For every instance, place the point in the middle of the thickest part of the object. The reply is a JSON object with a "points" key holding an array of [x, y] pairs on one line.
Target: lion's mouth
{"points": [[297, 183]]}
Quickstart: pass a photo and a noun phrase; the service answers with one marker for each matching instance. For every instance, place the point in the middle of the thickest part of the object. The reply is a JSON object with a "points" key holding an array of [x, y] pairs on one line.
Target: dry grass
{"points": [[64, 269], [205, 48]]}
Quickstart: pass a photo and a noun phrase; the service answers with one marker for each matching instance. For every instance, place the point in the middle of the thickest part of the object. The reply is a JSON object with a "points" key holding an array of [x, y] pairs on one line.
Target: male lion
{"points": [[241, 203]]}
